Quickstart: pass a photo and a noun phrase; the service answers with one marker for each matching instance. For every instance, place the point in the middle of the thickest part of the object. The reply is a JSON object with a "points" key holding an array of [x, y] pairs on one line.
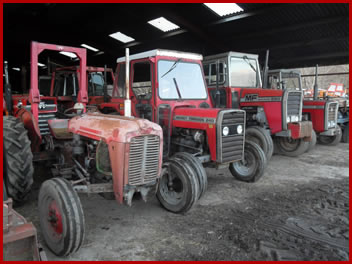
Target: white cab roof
{"points": [[230, 54], [161, 52]]}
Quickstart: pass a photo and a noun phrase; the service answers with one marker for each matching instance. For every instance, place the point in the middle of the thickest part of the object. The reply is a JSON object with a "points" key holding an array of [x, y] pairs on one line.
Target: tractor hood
{"points": [[253, 95], [112, 127], [196, 115]]}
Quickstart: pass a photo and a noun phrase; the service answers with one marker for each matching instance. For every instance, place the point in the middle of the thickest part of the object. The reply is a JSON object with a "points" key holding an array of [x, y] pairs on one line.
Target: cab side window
{"points": [[142, 84]]}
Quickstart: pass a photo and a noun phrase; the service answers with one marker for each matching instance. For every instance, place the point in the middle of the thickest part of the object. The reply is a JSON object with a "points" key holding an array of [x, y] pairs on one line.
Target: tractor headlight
{"points": [[225, 131], [239, 129], [294, 118]]}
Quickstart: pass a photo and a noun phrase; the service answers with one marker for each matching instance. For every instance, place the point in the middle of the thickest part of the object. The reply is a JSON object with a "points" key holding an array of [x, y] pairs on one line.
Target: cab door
{"points": [[142, 88]]}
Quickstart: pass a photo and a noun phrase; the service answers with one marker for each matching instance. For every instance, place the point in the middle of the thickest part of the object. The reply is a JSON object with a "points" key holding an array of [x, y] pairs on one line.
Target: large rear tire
{"points": [[197, 166], [331, 140], [178, 187], [261, 137], [313, 142], [18, 157], [61, 216], [291, 147], [253, 166]]}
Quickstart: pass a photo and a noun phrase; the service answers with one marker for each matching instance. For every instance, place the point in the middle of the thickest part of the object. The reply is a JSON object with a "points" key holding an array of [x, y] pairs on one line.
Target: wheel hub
{"points": [[55, 218]]}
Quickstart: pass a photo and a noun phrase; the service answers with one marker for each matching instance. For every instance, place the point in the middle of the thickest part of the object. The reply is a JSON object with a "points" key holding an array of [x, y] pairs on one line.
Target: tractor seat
{"points": [[59, 128]]}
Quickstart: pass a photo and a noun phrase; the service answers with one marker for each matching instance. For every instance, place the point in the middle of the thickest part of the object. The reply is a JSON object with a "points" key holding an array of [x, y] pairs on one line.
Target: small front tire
{"points": [[178, 187], [331, 140], [253, 166], [61, 217]]}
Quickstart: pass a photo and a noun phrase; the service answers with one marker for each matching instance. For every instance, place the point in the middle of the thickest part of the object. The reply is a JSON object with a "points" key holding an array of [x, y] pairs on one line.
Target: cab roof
{"points": [[162, 52], [230, 54]]}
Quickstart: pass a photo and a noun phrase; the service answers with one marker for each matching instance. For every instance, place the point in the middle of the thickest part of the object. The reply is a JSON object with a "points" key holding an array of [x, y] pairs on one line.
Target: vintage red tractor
{"points": [[168, 88], [321, 112], [89, 153], [234, 81]]}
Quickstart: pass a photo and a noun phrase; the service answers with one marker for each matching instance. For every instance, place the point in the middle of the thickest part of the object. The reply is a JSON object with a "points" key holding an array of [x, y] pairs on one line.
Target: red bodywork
{"points": [[316, 110], [117, 132]]}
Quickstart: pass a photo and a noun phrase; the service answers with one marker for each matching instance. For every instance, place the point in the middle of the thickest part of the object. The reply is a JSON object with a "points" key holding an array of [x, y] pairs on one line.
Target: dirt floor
{"points": [[299, 210]]}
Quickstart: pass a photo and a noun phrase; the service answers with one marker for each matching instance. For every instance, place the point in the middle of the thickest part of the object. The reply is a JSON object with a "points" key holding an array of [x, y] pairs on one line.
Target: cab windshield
{"points": [[244, 72], [180, 80]]}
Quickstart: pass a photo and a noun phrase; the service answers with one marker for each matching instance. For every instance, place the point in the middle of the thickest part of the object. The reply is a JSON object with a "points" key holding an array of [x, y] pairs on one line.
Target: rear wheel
{"points": [[18, 157], [61, 216], [291, 147], [260, 136], [313, 141], [198, 168], [178, 186], [251, 169], [331, 140]]}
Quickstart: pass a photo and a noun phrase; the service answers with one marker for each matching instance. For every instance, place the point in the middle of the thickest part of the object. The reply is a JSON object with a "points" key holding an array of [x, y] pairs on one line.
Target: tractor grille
{"points": [[331, 114], [332, 108], [294, 103], [43, 123], [143, 160], [231, 146]]}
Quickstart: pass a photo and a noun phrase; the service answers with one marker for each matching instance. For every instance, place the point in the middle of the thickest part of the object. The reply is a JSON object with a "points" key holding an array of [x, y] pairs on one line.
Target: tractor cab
{"points": [[168, 87], [234, 81]]}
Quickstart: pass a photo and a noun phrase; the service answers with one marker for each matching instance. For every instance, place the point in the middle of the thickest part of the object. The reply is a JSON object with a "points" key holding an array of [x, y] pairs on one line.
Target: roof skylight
{"points": [[121, 37], [224, 9], [89, 47], [163, 24], [68, 54]]}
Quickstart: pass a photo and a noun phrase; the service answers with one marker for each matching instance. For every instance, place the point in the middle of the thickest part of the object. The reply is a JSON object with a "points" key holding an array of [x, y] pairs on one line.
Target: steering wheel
{"points": [[72, 109]]}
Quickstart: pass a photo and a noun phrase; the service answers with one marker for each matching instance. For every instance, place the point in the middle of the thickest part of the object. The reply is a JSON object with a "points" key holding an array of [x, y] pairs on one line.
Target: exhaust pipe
{"points": [[266, 69], [127, 100], [315, 95]]}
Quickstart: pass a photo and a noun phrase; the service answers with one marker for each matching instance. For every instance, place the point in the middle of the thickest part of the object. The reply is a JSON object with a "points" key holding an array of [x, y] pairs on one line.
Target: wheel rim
{"points": [[247, 166], [53, 222], [289, 144], [171, 186]]}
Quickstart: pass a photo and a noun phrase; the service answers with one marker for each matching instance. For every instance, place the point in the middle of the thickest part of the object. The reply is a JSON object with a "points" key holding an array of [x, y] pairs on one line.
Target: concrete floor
{"points": [[299, 210]]}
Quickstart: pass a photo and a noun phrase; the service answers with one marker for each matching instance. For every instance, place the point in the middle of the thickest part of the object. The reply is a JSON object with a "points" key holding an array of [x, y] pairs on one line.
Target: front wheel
{"points": [[331, 140], [61, 216], [178, 187], [291, 147], [251, 169]]}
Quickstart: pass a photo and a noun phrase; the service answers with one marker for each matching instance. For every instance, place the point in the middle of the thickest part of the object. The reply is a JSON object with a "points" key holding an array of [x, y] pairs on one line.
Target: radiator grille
{"points": [[332, 112], [143, 159], [294, 103], [232, 144]]}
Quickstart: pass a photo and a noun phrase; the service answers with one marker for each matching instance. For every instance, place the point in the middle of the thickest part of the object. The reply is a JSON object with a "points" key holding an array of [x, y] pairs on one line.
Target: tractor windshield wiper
{"points": [[177, 89], [171, 68], [245, 58]]}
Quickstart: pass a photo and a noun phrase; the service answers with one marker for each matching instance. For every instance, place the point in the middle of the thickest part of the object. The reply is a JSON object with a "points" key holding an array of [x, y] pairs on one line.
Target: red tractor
{"points": [[321, 112], [89, 153], [234, 81], [168, 88]]}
